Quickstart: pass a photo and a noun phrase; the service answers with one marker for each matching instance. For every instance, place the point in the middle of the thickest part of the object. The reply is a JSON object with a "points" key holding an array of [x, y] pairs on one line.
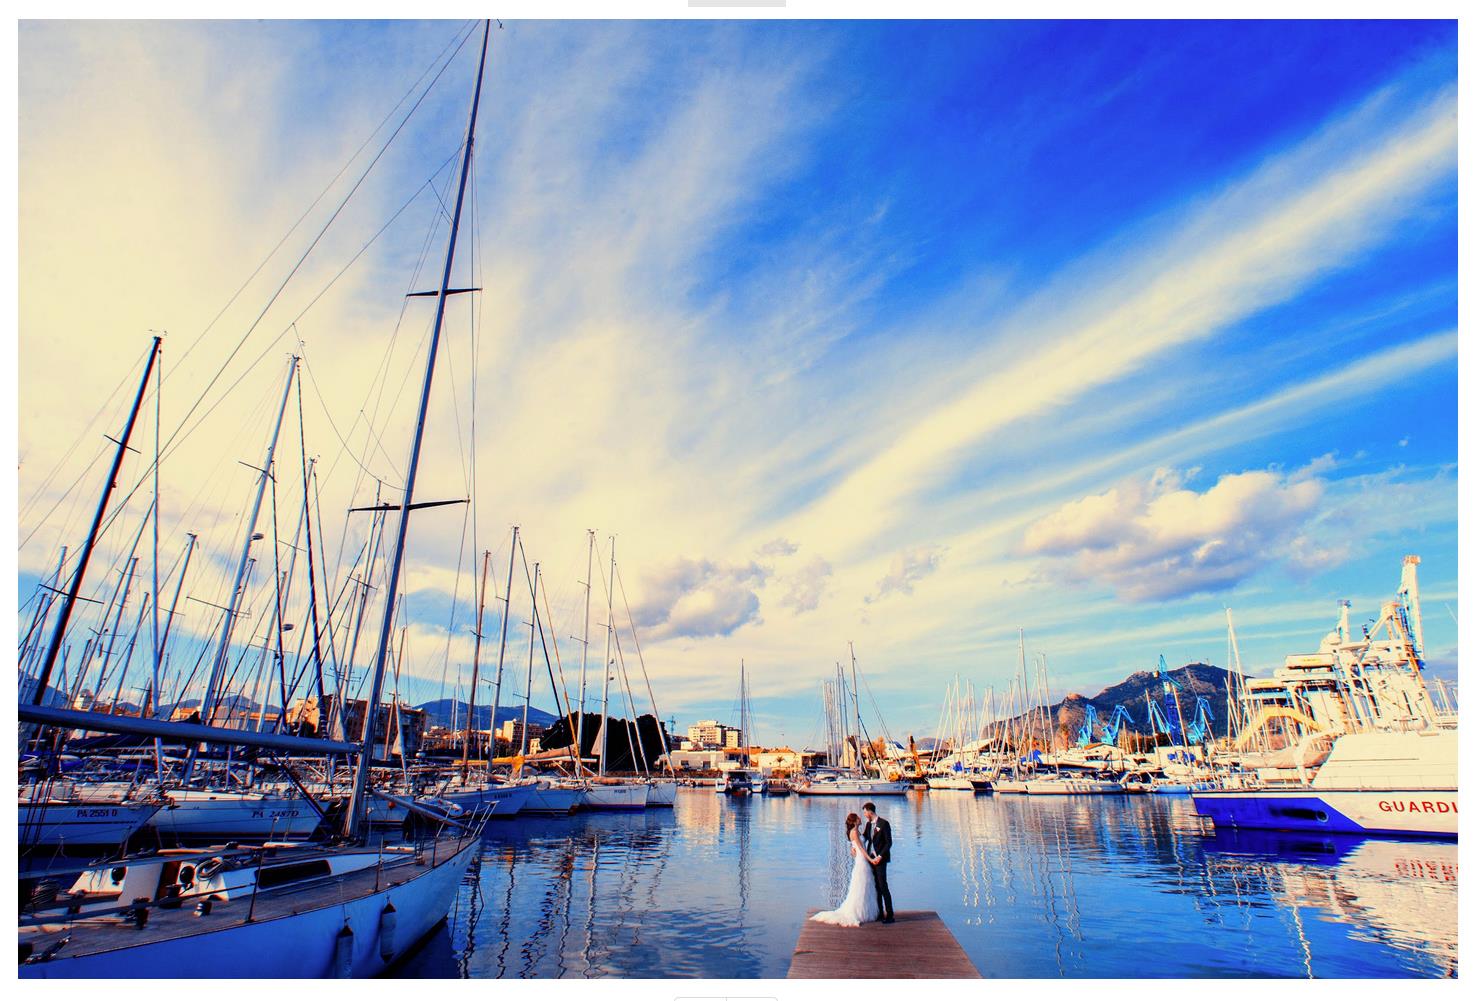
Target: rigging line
{"points": [[313, 244], [323, 405], [382, 370], [85, 433], [271, 345], [463, 33], [45, 518], [376, 388], [179, 436], [181, 432], [456, 590], [381, 373]]}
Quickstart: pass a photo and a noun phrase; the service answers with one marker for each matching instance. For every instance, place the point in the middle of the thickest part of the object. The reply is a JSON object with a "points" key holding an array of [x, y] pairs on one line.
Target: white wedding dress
{"points": [[860, 905]]}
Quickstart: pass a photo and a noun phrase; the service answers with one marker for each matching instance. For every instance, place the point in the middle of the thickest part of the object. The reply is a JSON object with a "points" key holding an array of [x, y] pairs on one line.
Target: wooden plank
{"points": [[917, 946]]}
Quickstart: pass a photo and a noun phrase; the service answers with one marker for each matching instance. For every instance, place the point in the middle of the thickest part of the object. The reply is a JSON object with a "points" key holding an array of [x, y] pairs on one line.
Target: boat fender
{"points": [[343, 953], [387, 932]]}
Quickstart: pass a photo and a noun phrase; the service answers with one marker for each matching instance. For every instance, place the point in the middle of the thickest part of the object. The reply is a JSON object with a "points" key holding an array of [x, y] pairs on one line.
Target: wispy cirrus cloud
{"points": [[788, 397]]}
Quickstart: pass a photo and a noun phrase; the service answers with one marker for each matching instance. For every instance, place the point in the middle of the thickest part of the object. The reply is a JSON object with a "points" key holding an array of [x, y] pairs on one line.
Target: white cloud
{"points": [[1154, 538], [807, 585], [1318, 208], [693, 598], [777, 547], [907, 568]]}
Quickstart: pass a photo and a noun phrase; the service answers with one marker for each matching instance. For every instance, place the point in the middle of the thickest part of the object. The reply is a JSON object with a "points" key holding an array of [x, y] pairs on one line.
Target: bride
{"points": [[860, 904]]}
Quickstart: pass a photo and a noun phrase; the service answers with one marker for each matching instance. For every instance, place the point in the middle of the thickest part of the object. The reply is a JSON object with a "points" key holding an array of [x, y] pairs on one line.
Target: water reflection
{"points": [[1031, 887], [1399, 893]]}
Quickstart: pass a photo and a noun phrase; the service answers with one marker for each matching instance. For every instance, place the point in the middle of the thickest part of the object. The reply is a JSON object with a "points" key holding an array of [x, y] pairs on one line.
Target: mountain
{"points": [[439, 712], [1195, 680]]}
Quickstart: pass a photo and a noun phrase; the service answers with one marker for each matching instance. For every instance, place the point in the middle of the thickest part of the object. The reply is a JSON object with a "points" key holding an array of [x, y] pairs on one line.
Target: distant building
{"points": [[709, 733], [307, 716], [696, 761], [778, 759], [511, 733]]}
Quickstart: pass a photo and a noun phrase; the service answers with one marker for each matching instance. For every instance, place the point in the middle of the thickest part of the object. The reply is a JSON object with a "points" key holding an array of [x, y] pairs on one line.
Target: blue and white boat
{"points": [[1348, 740]]}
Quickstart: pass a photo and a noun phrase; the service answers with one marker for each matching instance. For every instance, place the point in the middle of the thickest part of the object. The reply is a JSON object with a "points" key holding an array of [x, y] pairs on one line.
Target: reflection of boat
{"points": [[1402, 891]]}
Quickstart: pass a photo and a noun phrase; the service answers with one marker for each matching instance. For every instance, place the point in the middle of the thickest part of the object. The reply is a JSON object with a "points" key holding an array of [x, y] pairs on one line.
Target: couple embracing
{"points": [[867, 895]]}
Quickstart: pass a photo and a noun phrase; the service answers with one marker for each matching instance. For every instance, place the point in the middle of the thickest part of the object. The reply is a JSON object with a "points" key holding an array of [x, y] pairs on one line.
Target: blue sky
{"points": [[904, 334]]}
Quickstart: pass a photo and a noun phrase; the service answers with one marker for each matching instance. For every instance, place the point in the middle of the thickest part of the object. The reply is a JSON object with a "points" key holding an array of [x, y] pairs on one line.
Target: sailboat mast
{"points": [[357, 805], [207, 707], [70, 600], [502, 645], [605, 687], [533, 628], [476, 659], [579, 733]]}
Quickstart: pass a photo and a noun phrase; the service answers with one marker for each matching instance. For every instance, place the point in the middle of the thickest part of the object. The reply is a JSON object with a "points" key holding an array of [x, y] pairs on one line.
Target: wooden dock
{"points": [[917, 946]]}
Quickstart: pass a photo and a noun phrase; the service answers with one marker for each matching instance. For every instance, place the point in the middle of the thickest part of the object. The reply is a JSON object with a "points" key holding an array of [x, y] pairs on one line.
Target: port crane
{"points": [[1089, 723], [1199, 729], [1114, 724]]}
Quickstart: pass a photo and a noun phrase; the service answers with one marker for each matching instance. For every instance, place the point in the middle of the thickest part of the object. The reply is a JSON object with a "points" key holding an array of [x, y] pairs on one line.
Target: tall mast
{"points": [[579, 738], [169, 621], [743, 712], [207, 708], [533, 628], [856, 701], [502, 646], [476, 660], [154, 634], [70, 600], [355, 814], [605, 686]]}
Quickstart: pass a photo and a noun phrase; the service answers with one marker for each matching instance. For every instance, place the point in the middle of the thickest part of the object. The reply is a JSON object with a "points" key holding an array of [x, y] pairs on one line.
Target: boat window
{"points": [[280, 875]]}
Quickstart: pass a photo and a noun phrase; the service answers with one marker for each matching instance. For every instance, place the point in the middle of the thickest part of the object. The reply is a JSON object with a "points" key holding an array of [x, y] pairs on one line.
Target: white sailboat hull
{"points": [[555, 800], [235, 815], [292, 946], [63, 824], [1072, 787], [599, 796], [853, 787], [660, 794], [497, 802], [949, 783]]}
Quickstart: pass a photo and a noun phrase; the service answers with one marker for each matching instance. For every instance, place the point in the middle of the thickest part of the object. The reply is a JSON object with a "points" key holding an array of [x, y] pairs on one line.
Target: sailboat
{"points": [[1372, 753], [271, 909], [854, 780], [743, 780]]}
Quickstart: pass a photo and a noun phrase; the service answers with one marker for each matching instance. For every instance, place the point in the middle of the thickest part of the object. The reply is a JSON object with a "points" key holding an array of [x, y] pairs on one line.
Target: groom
{"points": [[877, 836]]}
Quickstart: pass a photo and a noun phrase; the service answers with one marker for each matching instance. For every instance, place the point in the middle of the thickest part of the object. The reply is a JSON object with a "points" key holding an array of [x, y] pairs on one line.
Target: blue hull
{"points": [[1273, 811]]}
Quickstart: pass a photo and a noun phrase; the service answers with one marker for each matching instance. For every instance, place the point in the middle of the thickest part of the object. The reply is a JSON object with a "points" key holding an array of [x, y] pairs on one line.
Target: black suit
{"points": [[878, 837]]}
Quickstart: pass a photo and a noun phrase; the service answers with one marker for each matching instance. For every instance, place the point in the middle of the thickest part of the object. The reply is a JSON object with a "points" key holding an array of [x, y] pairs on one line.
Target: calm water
{"points": [[1031, 886]]}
